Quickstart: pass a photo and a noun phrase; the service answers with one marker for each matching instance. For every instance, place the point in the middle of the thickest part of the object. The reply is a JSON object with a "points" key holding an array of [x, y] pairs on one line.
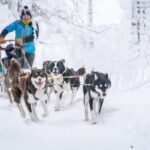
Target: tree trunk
{"points": [[90, 22]]}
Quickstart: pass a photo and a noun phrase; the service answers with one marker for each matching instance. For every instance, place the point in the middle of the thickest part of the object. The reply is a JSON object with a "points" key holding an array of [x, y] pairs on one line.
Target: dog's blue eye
{"points": [[100, 85]]}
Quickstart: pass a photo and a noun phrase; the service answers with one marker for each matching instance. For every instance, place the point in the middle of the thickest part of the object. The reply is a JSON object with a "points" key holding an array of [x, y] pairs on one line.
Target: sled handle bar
{"points": [[16, 47]]}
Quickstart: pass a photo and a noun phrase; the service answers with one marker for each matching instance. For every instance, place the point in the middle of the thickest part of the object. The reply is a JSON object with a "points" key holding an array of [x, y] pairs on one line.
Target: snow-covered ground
{"points": [[124, 124]]}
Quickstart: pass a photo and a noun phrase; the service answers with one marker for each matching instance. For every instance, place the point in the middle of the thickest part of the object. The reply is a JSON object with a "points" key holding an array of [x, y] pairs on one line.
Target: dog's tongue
{"points": [[38, 83]]}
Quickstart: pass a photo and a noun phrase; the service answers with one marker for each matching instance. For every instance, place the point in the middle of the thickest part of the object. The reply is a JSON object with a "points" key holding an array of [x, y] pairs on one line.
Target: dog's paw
{"points": [[56, 109], [23, 115], [45, 115], [35, 120], [93, 123], [86, 119]]}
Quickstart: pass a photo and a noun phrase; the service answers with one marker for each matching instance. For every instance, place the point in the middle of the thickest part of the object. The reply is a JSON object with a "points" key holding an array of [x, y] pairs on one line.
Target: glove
{"points": [[19, 41], [2, 40]]}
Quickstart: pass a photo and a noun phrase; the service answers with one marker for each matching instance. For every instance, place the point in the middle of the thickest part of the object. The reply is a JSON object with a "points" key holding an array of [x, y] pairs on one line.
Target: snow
{"points": [[113, 10], [124, 122]]}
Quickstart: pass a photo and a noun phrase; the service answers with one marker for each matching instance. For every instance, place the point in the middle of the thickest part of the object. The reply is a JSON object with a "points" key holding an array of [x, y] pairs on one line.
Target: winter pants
{"points": [[30, 58]]}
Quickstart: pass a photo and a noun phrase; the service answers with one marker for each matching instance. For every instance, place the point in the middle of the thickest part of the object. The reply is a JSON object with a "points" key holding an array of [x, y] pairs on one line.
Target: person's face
{"points": [[26, 17]]}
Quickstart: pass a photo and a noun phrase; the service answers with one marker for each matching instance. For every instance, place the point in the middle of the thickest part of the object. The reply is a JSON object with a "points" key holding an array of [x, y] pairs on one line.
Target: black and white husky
{"points": [[94, 90], [50, 89], [32, 88], [65, 79]]}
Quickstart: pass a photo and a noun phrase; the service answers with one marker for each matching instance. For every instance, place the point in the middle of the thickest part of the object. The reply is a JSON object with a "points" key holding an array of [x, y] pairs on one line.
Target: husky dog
{"points": [[50, 89], [46, 66], [31, 86], [94, 90], [64, 79]]}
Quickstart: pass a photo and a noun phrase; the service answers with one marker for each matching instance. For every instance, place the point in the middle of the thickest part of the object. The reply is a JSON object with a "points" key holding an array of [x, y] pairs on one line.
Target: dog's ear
{"points": [[95, 76], [44, 63], [109, 82], [106, 75], [49, 62], [63, 60], [33, 70]]}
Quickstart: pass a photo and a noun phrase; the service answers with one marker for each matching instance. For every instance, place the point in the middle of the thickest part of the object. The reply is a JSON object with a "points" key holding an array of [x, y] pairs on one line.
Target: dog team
{"points": [[38, 85]]}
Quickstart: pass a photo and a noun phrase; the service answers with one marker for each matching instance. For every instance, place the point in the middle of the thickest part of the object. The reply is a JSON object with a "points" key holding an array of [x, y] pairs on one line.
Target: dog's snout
{"points": [[39, 79], [55, 70]]}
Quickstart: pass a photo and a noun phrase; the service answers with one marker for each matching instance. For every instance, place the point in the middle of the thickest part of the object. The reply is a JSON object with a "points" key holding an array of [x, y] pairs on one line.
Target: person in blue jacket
{"points": [[25, 33]]}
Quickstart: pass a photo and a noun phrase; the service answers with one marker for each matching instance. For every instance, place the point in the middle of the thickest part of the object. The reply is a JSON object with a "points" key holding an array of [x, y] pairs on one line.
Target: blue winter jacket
{"points": [[26, 32], [1, 69]]}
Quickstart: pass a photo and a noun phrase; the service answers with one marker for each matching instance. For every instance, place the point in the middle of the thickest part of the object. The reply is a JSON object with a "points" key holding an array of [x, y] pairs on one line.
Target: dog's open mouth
{"points": [[38, 83], [55, 73]]}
